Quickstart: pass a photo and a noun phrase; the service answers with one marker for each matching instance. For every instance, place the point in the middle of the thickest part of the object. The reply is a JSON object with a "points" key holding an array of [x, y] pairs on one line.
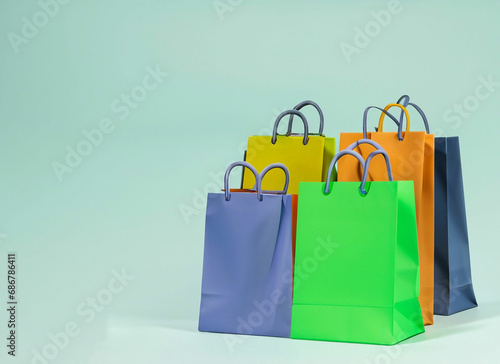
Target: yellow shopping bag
{"points": [[307, 156]]}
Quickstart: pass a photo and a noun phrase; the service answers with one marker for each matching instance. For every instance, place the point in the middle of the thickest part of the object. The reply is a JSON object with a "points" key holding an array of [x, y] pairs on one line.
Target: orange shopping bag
{"points": [[412, 158]]}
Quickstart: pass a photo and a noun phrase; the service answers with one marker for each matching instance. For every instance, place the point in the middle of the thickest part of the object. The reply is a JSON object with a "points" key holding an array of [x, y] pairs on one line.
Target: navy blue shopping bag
{"points": [[453, 291]]}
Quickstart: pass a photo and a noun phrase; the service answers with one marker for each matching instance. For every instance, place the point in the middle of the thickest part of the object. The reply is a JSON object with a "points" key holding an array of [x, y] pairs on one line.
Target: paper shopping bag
{"points": [[412, 159], [247, 264], [356, 265], [453, 291], [306, 156], [452, 276]]}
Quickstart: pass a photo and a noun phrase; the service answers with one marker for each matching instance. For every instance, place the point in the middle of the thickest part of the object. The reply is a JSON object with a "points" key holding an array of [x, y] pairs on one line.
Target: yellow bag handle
{"points": [[382, 116]]}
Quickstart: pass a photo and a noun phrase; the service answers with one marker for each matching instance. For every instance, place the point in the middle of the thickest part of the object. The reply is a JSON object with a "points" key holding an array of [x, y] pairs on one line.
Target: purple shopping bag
{"points": [[247, 265]]}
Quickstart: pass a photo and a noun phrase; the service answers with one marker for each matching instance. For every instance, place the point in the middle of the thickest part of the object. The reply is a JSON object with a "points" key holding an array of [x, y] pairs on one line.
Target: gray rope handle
{"points": [[299, 107], [365, 141], [334, 161], [405, 99], [250, 167], [290, 112], [367, 166], [273, 166], [365, 117]]}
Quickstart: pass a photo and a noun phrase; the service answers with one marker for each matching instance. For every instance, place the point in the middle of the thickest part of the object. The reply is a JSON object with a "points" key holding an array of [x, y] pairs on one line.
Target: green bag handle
{"points": [[250, 167], [367, 167], [299, 107], [334, 161], [290, 112], [273, 166]]}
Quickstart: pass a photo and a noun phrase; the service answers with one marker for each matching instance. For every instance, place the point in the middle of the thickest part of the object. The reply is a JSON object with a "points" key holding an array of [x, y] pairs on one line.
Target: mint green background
{"points": [[120, 208]]}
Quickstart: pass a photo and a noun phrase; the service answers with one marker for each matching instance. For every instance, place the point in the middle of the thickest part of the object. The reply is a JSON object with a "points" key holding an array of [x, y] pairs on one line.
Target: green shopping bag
{"points": [[356, 260]]}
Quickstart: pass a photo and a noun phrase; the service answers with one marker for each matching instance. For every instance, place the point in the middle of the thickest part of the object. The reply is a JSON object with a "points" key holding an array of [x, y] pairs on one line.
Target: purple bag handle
{"points": [[250, 167], [405, 101], [273, 166], [379, 150], [367, 166], [290, 112], [365, 141], [334, 161], [365, 117], [299, 107]]}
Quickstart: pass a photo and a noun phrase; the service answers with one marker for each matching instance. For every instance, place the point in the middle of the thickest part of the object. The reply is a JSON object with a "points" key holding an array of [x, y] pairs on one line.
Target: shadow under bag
{"points": [[247, 265]]}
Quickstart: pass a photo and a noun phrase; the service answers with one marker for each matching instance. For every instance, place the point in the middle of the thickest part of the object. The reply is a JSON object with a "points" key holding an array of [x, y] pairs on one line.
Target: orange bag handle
{"points": [[382, 116]]}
